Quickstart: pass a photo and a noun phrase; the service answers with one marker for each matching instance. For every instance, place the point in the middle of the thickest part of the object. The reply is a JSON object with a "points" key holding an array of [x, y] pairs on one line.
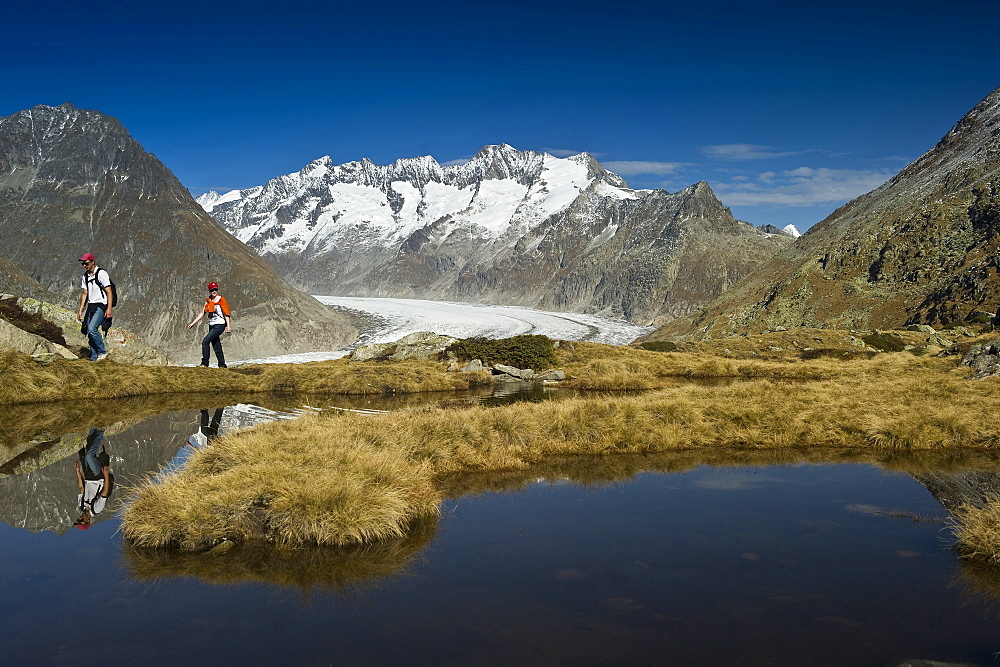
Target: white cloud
{"points": [[746, 152], [804, 186], [456, 163], [634, 167]]}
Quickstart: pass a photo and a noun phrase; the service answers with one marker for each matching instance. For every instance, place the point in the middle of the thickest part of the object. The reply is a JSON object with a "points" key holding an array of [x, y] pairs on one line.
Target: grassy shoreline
{"points": [[29, 382], [343, 479], [589, 366]]}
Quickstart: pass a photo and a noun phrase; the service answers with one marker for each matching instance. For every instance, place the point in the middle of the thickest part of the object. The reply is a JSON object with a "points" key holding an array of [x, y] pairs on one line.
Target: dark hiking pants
{"points": [[212, 338]]}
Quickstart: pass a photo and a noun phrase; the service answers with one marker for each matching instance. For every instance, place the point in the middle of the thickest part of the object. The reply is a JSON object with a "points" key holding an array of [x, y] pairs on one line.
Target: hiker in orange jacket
{"points": [[219, 322]]}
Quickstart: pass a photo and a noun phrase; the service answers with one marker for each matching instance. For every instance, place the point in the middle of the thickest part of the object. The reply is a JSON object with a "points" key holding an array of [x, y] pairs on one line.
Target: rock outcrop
{"points": [[983, 358], [417, 345], [13, 339]]}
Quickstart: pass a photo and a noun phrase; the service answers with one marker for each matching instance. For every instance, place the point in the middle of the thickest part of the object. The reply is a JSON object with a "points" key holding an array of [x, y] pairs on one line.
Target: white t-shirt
{"points": [[91, 497], [94, 292]]}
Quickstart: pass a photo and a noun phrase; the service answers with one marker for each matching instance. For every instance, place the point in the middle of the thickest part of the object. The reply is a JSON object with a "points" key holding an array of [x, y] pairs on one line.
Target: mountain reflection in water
{"points": [[693, 556]]}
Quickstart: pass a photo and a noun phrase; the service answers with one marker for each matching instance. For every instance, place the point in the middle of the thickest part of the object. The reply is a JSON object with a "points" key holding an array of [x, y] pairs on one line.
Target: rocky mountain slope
{"points": [[922, 248], [73, 181], [509, 227]]}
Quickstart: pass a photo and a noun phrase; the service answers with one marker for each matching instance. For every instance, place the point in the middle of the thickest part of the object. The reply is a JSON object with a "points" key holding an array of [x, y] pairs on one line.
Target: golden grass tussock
{"points": [[320, 488], [344, 478], [977, 531]]}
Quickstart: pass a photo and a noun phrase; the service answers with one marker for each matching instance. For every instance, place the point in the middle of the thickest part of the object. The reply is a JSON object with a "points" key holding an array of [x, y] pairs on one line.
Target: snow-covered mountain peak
{"points": [[323, 204], [792, 231], [317, 168]]}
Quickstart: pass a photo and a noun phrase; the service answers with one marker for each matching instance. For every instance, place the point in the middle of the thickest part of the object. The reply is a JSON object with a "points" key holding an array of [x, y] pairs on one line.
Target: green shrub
{"points": [[659, 346], [529, 351], [885, 342]]}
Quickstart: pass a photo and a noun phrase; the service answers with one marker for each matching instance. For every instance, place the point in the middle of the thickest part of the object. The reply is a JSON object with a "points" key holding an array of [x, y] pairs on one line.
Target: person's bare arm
{"points": [[79, 477], [107, 292]]}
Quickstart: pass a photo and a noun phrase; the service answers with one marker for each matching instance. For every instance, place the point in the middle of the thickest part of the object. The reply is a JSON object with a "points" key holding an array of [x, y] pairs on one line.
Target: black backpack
{"points": [[111, 284]]}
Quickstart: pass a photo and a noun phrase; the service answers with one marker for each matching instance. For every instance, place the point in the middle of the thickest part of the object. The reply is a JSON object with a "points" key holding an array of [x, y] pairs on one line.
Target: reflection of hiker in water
{"points": [[207, 430], [93, 478]]}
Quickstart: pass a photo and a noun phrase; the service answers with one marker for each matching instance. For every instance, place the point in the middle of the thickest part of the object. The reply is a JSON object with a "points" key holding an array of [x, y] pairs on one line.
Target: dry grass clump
{"points": [[318, 487], [977, 531]]}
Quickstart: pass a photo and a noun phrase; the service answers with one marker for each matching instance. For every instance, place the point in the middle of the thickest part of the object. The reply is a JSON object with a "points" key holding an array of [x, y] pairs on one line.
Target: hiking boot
{"points": [[223, 366], [101, 357]]}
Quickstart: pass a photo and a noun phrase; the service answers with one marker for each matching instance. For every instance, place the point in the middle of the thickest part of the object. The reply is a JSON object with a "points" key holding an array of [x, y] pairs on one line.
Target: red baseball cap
{"points": [[213, 286], [87, 257]]}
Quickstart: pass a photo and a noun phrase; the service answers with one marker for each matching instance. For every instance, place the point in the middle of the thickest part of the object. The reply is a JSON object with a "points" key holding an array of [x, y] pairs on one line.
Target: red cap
{"points": [[213, 286], [87, 257]]}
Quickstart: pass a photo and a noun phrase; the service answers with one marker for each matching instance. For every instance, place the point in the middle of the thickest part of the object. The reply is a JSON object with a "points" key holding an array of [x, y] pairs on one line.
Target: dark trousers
{"points": [[210, 425], [212, 338]]}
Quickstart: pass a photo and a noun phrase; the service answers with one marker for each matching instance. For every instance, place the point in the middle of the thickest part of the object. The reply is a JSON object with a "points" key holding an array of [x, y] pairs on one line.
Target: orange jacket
{"points": [[211, 304]]}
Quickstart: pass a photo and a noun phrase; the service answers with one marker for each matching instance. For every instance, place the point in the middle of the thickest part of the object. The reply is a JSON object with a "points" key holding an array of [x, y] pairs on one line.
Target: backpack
{"points": [[111, 284]]}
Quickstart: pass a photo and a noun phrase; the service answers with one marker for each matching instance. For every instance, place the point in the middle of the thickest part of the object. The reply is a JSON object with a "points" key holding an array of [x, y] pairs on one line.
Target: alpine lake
{"points": [[621, 560]]}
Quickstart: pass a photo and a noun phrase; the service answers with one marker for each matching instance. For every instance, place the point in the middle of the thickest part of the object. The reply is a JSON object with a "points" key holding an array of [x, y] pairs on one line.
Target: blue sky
{"points": [[787, 109]]}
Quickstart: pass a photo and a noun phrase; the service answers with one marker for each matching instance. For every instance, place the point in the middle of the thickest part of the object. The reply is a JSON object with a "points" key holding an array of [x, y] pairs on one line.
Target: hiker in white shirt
{"points": [[93, 479], [97, 299]]}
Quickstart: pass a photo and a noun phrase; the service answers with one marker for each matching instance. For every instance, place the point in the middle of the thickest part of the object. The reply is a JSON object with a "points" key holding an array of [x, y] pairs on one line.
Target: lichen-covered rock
{"points": [[13, 339], [518, 373], [940, 341], [417, 345], [473, 366], [983, 358]]}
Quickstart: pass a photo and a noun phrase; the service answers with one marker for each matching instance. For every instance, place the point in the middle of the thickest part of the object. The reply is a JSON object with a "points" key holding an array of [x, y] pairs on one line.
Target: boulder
{"points": [[983, 358], [13, 339], [473, 366], [417, 345], [517, 373], [940, 341]]}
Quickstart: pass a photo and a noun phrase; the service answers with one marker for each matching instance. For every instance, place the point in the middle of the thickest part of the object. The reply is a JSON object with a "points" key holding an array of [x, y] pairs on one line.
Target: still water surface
{"points": [[820, 563]]}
